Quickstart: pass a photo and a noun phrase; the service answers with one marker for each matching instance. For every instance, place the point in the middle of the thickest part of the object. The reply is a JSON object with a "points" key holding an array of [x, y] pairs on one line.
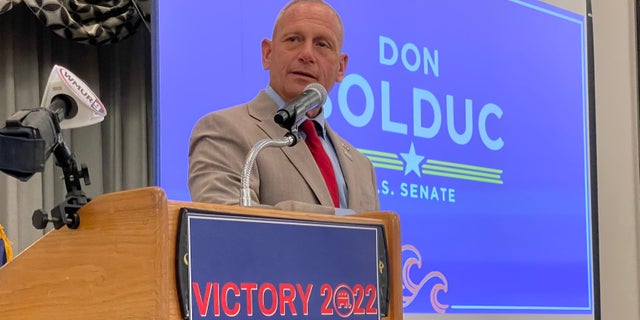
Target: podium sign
{"points": [[233, 266]]}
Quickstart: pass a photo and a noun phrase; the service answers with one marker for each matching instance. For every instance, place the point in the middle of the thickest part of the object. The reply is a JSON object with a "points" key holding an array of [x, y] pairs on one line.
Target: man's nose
{"points": [[307, 52]]}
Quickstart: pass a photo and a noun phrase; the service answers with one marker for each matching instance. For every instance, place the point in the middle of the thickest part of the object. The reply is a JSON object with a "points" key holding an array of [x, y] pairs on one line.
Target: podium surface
{"points": [[120, 262]]}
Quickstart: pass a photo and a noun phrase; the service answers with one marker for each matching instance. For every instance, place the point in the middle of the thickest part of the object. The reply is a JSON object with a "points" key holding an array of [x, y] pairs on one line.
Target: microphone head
{"points": [[322, 92], [82, 106]]}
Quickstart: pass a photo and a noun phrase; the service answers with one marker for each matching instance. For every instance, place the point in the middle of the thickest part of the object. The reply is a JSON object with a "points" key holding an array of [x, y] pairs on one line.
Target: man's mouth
{"points": [[304, 74]]}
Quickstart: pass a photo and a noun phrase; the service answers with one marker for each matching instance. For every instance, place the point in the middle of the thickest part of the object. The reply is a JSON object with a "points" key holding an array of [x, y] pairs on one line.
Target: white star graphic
{"points": [[412, 161]]}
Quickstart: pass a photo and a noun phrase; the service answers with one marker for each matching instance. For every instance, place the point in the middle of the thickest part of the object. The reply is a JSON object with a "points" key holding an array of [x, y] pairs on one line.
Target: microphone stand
{"points": [[289, 140], [65, 213]]}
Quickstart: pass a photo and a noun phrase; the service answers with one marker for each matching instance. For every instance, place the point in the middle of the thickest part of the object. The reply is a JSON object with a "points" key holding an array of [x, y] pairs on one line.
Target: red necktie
{"points": [[322, 159]]}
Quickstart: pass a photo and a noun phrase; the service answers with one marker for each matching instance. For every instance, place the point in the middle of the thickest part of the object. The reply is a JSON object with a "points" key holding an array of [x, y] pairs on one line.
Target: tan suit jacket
{"points": [[221, 140]]}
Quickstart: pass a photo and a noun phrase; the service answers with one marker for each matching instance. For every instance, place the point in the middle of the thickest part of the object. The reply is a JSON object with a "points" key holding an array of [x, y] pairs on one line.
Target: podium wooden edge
{"points": [[120, 262], [115, 265], [391, 222]]}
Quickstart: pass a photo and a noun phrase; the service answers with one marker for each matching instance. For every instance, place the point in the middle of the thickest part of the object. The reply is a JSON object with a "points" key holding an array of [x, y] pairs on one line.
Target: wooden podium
{"points": [[120, 262]]}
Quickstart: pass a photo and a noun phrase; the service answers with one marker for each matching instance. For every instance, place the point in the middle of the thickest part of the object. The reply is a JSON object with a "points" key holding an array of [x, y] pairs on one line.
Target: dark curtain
{"points": [[116, 68]]}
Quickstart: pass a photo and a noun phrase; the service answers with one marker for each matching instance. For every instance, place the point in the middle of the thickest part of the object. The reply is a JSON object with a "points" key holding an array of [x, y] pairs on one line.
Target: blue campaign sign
{"points": [[475, 115], [264, 268]]}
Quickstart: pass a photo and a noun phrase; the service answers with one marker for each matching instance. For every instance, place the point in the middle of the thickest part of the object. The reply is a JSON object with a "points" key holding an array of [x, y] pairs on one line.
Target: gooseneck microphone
{"points": [[313, 96], [289, 117]]}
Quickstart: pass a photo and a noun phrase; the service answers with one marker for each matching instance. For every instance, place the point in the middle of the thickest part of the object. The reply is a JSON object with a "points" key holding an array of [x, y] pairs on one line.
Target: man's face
{"points": [[305, 48]]}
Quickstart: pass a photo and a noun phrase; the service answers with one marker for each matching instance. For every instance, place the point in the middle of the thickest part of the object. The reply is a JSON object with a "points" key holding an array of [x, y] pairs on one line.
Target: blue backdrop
{"points": [[474, 113]]}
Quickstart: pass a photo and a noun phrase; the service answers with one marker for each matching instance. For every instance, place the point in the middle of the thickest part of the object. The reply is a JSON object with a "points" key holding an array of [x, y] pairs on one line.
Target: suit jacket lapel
{"points": [[262, 108], [344, 151]]}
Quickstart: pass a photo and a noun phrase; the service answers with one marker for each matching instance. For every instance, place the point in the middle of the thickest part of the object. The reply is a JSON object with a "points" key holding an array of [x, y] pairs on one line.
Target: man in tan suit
{"points": [[305, 48]]}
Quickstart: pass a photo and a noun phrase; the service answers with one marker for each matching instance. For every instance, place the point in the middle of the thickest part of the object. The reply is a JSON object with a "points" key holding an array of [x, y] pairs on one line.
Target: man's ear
{"points": [[266, 54], [342, 66]]}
